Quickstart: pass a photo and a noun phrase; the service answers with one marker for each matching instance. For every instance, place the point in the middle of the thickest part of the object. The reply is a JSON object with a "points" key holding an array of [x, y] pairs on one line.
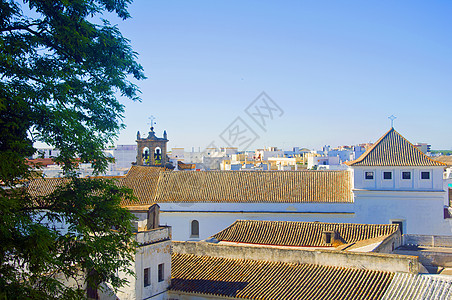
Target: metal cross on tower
{"points": [[151, 118], [392, 118]]}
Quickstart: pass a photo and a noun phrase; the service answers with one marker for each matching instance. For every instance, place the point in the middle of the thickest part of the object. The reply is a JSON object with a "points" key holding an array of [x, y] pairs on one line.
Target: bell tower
{"points": [[151, 150]]}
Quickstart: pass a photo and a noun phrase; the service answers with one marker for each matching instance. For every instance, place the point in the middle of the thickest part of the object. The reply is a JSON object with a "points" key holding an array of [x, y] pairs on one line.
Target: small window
{"points": [[400, 223], [147, 277], [194, 228], [369, 175], [387, 175], [406, 175], [425, 175], [161, 272], [328, 236]]}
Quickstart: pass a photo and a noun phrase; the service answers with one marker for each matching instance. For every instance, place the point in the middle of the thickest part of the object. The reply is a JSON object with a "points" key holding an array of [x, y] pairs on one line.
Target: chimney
{"points": [[153, 217]]}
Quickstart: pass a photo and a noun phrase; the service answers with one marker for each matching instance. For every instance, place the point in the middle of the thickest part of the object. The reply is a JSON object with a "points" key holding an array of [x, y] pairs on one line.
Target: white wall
{"points": [[152, 251], [421, 212], [435, 183], [214, 217], [151, 256]]}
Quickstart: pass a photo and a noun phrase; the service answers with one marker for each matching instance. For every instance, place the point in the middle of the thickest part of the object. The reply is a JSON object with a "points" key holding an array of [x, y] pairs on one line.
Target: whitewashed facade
{"points": [[152, 264], [399, 185]]}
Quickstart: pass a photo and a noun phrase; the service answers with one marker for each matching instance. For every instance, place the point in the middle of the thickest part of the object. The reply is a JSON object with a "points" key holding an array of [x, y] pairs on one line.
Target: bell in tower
{"points": [[151, 150]]}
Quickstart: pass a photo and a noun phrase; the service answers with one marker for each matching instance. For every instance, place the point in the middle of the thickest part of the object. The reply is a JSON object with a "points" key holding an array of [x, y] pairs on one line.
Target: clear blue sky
{"points": [[337, 69]]}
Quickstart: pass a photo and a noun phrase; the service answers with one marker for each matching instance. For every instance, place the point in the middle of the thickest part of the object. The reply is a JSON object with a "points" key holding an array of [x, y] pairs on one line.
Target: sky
{"points": [[332, 72]]}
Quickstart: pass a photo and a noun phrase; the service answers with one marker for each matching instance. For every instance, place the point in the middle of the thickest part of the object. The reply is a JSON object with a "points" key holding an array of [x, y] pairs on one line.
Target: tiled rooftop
{"points": [[445, 159], [44, 186], [392, 149], [307, 234], [143, 182], [253, 279], [262, 186], [156, 185], [407, 286]]}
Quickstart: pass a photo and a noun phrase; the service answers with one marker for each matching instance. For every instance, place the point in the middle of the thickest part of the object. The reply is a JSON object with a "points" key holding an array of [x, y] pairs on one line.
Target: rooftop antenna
{"points": [[392, 118]]}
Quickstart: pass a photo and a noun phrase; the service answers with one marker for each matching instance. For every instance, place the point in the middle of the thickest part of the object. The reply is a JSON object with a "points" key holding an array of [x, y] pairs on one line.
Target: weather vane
{"points": [[392, 118], [152, 118]]}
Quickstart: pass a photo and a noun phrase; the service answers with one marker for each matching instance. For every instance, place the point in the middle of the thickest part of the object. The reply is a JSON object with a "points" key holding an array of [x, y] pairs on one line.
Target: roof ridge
{"points": [[422, 153], [308, 222], [397, 151], [367, 152]]}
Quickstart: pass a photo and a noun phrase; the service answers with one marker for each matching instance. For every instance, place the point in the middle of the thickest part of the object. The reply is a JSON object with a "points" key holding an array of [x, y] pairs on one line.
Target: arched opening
{"points": [[158, 156], [145, 155], [194, 229]]}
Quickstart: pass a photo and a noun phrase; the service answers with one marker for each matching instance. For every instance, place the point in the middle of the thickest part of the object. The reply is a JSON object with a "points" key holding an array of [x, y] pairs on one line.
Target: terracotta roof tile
{"points": [[143, 182], [445, 159], [261, 186], [287, 233], [184, 166], [44, 186], [155, 185], [253, 279], [408, 286], [44, 162], [392, 149]]}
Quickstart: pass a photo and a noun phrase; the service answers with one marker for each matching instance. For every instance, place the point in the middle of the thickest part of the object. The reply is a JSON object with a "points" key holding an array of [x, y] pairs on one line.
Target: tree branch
{"points": [[20, 26]]}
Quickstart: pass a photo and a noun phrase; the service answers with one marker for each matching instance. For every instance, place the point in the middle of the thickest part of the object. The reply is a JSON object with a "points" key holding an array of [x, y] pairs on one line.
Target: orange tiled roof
{"points": [[261, 186], [40, 162], [445, 159], [143, 182], [155, 185], [392, 149], [44, 186], [256, 279], [409, 286], [286, 233], [184, 166]]}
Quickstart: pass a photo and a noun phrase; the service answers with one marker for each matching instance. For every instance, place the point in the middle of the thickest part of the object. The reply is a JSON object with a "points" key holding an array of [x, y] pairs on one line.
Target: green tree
{"points": [[62, 69]]}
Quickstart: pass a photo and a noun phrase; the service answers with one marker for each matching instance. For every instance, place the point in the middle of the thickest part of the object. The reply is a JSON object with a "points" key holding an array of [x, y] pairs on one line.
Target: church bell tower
{"points": [[151, 150]]}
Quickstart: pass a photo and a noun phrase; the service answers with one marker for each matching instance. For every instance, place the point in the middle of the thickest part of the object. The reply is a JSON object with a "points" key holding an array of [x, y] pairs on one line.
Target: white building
{"points": [[327, 162], [152, 264], [124, 156], [393, 182]]}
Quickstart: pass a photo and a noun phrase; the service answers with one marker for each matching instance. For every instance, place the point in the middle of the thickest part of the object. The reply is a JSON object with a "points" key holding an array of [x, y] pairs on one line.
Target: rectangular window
{"points": [[400, 223], [387, 175], [425, 175], [147, 277], [406, 175], [161, 272], [327, 237], [369, 175]]}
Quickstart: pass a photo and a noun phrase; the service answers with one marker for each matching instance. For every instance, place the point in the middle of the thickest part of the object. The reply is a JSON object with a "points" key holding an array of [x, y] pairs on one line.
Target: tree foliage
{"points": [[62, 68]]}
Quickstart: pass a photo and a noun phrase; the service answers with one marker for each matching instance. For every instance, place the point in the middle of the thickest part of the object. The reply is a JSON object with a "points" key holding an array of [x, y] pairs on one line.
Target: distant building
{"points": [[423, 147]]}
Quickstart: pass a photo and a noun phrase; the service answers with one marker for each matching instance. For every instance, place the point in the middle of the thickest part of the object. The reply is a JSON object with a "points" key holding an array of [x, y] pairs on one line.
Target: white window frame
{"points": [[411, 175], [383, 175], [161, 271], [365, 175], [429, 175]]}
